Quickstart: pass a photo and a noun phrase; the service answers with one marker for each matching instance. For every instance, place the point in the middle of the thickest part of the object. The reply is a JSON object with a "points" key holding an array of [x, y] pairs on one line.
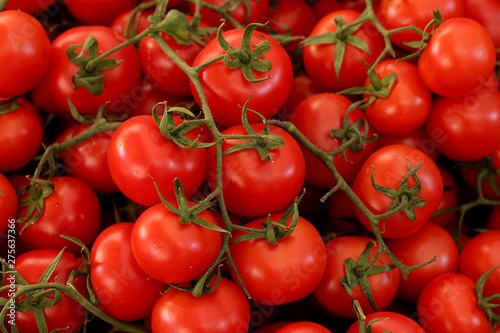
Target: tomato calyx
{"points": [[8, 106], [177, 25], [486, 172], [246, 58], [90, 75], [357, 273], [405, 198], [262, 142], [37, 192], [484, 302]]}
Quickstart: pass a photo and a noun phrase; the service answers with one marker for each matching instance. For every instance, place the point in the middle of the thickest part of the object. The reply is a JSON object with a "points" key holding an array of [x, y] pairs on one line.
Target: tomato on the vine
{"points": [[389, 166], [387, 321]]}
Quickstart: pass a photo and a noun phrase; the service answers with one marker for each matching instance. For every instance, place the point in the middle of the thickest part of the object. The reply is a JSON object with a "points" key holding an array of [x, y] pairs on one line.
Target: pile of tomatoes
{"points": [[249, 166]]}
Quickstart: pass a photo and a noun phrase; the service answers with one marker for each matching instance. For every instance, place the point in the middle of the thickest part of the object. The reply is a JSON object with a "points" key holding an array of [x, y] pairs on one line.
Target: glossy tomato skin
{"points": [[330, 292], [123, 289], [318, 59], [315, 117], [448, 304], [304, 327], [20, 136], [118, 82], [224, 310], [171, 251], [453, 121], [390, 165], [26, 51], [73, 209], [8, 204], [88, 160], [391, 322], [253, 187], [162, 71], [407, 107], [479, 255], [227, 90], [99, 11], [67, 313], [138, 153], [284, 272], [429, 241], [258, 11], [447, 67], [395, 14]]}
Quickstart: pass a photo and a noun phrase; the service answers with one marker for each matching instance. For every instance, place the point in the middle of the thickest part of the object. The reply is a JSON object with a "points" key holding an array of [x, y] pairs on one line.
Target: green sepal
{"points": [[38, 191], [484, 302], [8, 106]]}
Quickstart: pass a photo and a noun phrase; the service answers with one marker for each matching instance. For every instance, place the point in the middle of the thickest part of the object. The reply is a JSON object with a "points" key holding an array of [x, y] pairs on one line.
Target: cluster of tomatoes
{"points": [[154, 156]]}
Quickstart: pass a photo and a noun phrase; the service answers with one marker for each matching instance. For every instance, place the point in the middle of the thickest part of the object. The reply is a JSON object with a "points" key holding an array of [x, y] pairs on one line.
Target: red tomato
{"points": [[448, 304], [318, 59], [302, 87], [73, 209], [253, 187], [479, 255], [280, 273], [118, 82], [223, 310], [162, 71], [258, 9], [124, 290], [226, 100], [394, 14], [8, 204], [391, 322], [389, 166], [99, 11], [447, 66], [485, 12], [138, 152], [449, 200], [20, 136], [416, 139], [407, 107], [303, 327], [141, 19], [324, 7], [272, 328], [67, 314], [330, 292], [88, 160], [427, 242], [29, 6], [316, 116], [171, 251], [476, 115], [26, 51]]}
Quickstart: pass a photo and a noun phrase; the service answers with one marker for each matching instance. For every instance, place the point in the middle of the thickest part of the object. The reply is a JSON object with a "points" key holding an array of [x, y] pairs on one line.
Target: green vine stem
{"points": [[2, 4]]}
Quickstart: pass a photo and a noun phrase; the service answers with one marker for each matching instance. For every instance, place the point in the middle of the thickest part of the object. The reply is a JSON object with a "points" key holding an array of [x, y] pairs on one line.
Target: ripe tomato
{"points": [[480, 255], [302, 87], [316, 116], [391, 322], [20, 136], [8, 203], [407, 107], [389, 166], [26, 51], [31, 6], [118, 82], [395, 14], [447, 66], [448, 304], [324, 7], [138, 152], [223, 310], [226, 100], [73, 209], [478, 115], [141, 19], [330, 292], [253, 187], [88, 160], [280, 273], [171, 251], [123, 289], [303, 327], [427, 242], [485, 12], [258, 9], [319, 59], [99, 11], [67, 314], [162, 71]]}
